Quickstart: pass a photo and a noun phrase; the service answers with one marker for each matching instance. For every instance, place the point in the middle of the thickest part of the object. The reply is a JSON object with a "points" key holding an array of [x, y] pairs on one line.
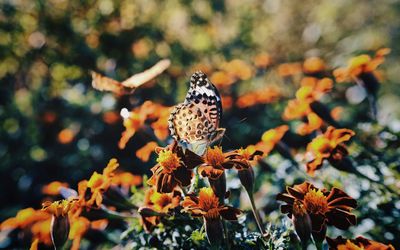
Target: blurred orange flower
{"points": [[156, 114], [313, 65], [359, 243], [328, 146], [268, 94], [126, 180], [361, 64], [289, 69], [221, 79], [144, 152], [270, 138], [79, 226], [53, 188], [262, 60], [111, 117], [238, 69]]}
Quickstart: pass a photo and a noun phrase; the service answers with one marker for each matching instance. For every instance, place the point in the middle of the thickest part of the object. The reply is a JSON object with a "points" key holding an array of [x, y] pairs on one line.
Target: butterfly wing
{"points": [[194, 123], [205, 96]]}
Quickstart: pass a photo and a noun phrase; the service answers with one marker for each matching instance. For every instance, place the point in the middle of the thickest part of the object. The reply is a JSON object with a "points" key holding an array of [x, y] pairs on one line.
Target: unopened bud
{"points": [[59, 230], [302, 222]]}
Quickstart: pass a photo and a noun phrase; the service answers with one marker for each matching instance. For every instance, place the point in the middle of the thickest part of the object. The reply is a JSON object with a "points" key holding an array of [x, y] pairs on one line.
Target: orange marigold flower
{"points": [[313, 65], [324, 207], [221, 79], [359, 65], [268, 94], [91, 191], [53, 188], [157, 205], [144, 152], [270, 138], [313, 123], [359, 243], [238, 69], [262, 60], [127, 180], [207, 206], [174, 168], [215, 162], [149, 112], [289, 69], [328, 146], [58, 208], [24, 218], [79, 226]]}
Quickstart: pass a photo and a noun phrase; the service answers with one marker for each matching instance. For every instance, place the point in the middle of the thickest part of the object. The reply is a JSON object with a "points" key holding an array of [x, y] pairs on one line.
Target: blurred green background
{"points": [[48, 47]]}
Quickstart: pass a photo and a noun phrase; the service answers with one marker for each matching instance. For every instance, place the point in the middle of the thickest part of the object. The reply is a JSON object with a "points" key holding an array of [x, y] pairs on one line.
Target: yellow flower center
{"points": [[168, 160], [207, 200], [349, 246], [215, 157], [315, 202], [160, 201]]}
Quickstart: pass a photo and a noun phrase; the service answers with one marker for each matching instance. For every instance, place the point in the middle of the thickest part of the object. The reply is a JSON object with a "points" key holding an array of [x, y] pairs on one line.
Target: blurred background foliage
{"points": [[54, 126]]}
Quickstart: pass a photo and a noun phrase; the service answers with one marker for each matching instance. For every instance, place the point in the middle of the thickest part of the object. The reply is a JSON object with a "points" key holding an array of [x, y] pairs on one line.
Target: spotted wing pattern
{"points": [[196, 121]]}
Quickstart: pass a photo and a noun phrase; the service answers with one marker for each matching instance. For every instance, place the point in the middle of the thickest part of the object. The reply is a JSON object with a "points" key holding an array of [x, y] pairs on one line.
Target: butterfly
{"points": [[194, 124], [104, 83]]}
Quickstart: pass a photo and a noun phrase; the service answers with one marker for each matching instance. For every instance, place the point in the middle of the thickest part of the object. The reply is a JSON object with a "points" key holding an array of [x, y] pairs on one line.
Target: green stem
{"points": [[255, 213], [318, 245]]}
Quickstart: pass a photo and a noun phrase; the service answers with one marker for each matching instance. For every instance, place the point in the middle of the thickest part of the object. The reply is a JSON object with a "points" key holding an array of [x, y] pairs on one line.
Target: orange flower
{"points": [[34, 224], [238, 69], [96, 186], [307, 96], [207, 206], [144, 152], [360, 65], [149, 112], [324, 207], [266, 95], [313, 65], [157, 205], [53, 188], [289, 69], [215, 162], [313, 123], [221, 78], [328, 146], [174, 168], [126, 180], [58, 208], [262, 60], [360, 243], [79, 226], [270, 138]]}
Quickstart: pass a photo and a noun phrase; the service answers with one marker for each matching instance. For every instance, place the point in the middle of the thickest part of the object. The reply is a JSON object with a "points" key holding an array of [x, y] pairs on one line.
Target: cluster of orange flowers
{"points": [[173, 186]]}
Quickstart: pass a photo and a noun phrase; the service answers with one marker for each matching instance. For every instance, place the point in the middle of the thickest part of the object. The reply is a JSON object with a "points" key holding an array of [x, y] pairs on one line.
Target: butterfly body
{"points": [[195, 122]]}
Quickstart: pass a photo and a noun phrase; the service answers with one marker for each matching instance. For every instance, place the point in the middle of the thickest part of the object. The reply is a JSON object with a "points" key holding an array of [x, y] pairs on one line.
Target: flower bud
{"points": [[59, 230], [246, 177], [148, 212]]}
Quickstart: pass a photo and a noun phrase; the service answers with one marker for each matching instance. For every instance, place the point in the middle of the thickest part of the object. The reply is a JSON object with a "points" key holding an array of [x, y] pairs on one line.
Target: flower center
{"points": [[315, 202], [160, 201], [215, 157], [168, 160], [207, 200]]}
